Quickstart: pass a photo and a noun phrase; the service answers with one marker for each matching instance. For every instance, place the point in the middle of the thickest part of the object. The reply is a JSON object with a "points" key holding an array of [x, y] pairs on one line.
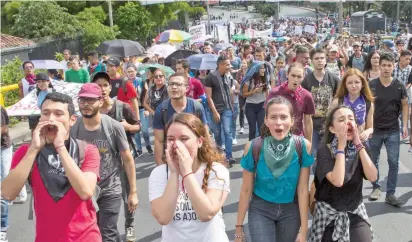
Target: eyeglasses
{"points": [[90, 101], [28, 67], [158, 76], [175, 84]]}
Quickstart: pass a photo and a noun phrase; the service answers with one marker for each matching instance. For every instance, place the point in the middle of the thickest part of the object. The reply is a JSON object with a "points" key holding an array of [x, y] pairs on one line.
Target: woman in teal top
{"points": [[275, 187]]}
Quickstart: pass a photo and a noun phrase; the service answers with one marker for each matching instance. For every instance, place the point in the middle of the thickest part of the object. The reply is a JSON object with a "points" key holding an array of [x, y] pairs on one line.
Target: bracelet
{"points": [[183, 179], [59, 147], [359, 147], [240, 236], [339, 152], [239, 226]]}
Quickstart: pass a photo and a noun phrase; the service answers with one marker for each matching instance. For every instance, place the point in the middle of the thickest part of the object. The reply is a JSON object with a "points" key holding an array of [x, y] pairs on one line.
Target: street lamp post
{"points": [[208, 17]]}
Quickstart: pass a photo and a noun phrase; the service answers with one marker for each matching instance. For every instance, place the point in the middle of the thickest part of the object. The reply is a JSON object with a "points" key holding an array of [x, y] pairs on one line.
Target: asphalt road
{"points": [[390, 224]]}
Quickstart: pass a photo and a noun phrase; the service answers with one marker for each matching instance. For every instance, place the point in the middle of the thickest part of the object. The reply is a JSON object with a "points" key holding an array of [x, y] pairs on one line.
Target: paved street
{"points": [[389, 224]]}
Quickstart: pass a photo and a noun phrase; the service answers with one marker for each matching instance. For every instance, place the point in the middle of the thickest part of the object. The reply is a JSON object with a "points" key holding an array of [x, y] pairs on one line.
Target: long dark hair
{"points": [[264, 130], [368, 62], [328, 136], [409, 47]]}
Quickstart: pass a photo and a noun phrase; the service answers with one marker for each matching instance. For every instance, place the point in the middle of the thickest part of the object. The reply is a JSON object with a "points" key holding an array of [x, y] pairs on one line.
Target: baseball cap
{"points": [[334, 48], [389, 43], [113, 61], [100, 74], [91, 90], [400, 42], [356, 44], [42, 76]]}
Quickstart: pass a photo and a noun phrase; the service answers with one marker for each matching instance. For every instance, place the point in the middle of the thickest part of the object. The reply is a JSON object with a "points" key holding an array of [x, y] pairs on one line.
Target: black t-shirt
{"points": [[322, 93], [345, 198], [388, 105], [5, 138], [217, 96]]}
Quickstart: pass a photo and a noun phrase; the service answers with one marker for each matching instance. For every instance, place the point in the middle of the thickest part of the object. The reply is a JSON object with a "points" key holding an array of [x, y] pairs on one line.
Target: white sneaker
{"points": [[3, 237], [234, 141], [242, 130]]}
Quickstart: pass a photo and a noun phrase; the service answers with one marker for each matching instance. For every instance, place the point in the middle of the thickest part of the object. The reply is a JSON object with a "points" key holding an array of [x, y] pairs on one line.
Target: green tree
{"points": [[43, 21], [11, 74], [134, 21], [8, 10], [266, 9], [94, 31], [164, 12]]}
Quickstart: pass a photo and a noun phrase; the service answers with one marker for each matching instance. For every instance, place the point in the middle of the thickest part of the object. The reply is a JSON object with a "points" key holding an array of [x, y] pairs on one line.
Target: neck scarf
{"points": [[52, 171], [297, 94], [351, 158], [278, 154], [31, 79], [359, 106]]}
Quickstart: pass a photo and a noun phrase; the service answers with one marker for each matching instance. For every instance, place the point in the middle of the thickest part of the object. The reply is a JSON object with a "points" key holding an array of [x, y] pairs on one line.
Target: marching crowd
{"points": [[327, 107]]}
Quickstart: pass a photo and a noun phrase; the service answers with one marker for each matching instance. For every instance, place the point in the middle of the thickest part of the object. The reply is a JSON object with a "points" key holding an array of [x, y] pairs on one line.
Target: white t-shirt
{"points": [[185, 225]]}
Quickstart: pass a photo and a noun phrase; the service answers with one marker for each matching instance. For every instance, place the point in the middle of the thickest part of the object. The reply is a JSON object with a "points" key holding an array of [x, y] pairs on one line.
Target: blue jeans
{"points": [[5, 160], [255, 114], [392, 144], [272, 221], [145, 130], [226, 118], [316, 140], [235, 115]]}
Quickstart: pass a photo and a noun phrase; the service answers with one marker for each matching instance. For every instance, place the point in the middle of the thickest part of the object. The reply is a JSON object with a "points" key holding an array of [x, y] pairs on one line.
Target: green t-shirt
{"points": [[79, 76]]}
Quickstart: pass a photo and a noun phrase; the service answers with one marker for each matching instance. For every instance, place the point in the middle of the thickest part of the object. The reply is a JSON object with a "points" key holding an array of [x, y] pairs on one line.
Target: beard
{"points": [[94, 112]]}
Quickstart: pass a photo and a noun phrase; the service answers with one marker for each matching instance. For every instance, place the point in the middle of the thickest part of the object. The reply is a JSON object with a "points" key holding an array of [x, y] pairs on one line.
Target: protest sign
{"points": [[197, 31]]}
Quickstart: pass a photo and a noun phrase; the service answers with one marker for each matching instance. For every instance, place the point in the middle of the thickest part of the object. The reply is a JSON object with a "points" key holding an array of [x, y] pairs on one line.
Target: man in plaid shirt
{"points": [[403, 72]]}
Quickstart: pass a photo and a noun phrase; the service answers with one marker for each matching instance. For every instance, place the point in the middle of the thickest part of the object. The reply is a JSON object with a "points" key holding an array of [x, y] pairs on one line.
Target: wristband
{"points": [[239, 225], [339, 152]]}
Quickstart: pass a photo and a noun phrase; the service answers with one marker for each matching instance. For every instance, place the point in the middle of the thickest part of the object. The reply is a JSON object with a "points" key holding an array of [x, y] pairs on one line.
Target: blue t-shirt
{"points": [[236, 63], [281, 190], [190, 108]]}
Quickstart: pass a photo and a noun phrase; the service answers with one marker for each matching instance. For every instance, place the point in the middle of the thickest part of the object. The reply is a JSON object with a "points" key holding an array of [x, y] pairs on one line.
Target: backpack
{"points": [[257, 144], [119, 105], [82, 148], [165, 106]]}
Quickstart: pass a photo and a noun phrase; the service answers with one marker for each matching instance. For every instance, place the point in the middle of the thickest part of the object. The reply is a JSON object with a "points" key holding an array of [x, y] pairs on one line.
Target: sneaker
{"points": [[234, 141], [410, 149], [375, 194], [149, 150], [3, 237], [232, 161], [130, 236], [394, 201], [139, 153], [242, 130], [228, 164]]}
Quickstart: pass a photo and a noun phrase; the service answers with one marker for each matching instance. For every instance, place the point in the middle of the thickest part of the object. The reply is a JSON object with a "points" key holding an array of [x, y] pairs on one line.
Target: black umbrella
{"points": [[177, 55], [121, 48]]}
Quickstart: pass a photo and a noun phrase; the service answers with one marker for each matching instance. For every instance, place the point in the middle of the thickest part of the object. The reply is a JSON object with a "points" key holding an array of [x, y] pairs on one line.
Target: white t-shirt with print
{"points": [[185, 225]]}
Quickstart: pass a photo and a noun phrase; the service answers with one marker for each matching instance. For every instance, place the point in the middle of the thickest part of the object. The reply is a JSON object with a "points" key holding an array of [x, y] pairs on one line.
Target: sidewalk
{"points": [[20, 133]]}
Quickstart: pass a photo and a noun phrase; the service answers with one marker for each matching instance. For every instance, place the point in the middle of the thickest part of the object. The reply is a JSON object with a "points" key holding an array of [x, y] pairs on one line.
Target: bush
{"points": [[11, 73]]}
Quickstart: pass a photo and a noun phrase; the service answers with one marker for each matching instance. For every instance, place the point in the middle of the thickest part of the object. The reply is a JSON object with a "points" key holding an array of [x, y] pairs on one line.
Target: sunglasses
{"points": [[158, 76]]}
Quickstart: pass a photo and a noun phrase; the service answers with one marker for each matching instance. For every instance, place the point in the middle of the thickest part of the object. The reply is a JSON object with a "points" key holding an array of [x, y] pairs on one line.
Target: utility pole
{"points": [[340, 18], [208, 17], [398, 5], [109, 2]]}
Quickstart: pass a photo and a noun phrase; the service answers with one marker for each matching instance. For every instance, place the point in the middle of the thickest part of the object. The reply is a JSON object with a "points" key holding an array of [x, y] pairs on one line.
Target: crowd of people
{"points": [[324, 105]]}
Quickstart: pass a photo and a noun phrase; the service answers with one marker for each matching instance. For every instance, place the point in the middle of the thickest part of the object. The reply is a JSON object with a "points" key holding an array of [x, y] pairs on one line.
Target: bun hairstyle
{"points": [[207, 153], [264, 130]]}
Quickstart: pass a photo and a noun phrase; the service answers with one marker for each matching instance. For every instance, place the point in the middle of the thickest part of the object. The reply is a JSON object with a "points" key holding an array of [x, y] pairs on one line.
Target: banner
{"points": [[310, 29], [197, 31], [232, 28], [222, 33], [264, 33], [28, 105], [250, 33], [298, 30]]}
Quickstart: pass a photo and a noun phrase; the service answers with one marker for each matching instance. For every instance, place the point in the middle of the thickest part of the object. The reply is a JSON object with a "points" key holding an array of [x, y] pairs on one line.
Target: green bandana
{"points": [[278, 154]]}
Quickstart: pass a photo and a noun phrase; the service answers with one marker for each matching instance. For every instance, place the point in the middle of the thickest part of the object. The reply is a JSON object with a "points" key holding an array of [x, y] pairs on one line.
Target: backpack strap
{"points": [[163, 112], [257, 144], [108, 131], [119, 110], [123, 85], [299, 148], [198, 108]]}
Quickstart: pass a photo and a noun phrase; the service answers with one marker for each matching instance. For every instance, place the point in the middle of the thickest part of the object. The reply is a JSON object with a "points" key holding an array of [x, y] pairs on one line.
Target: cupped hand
{"points": [[185, 160]]}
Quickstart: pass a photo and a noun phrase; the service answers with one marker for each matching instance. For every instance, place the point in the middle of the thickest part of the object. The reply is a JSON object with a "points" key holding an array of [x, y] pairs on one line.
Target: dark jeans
{"points": [[273, 222], [109, 208], [242, 102], [255, 114], [359, 230], [392, 144], [129, 217]]}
